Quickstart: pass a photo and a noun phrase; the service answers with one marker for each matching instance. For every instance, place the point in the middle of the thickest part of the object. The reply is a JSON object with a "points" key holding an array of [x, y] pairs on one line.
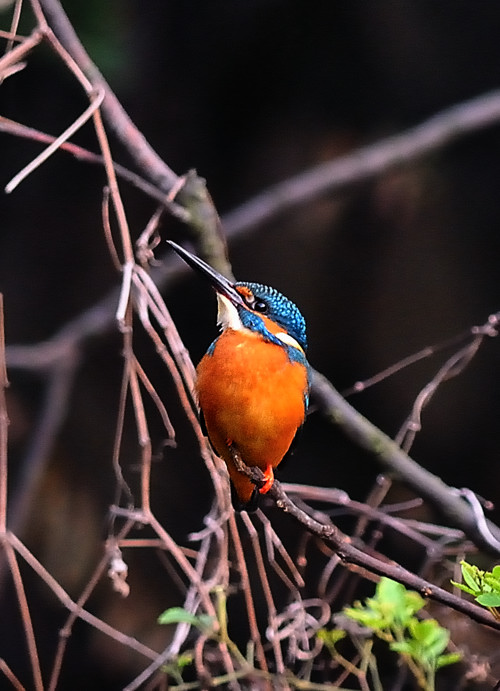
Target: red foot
{"points": [[269, 479]]}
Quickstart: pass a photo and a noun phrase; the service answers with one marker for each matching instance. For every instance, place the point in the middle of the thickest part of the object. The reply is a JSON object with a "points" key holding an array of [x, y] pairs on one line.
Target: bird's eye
{"points": [[260, 306]]}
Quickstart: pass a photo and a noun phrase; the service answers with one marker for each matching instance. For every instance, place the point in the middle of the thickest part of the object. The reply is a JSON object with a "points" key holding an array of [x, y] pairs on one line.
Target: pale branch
{"points": [[46, 153], [364, 163], [335, 497]]}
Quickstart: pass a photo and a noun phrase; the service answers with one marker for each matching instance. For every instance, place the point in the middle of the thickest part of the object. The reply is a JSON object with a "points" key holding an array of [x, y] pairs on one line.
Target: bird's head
{"points": [[252, 306]]}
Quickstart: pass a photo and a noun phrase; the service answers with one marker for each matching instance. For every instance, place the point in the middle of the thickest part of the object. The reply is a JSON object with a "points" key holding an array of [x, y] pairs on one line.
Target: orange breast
{"points": [[251, 396]]}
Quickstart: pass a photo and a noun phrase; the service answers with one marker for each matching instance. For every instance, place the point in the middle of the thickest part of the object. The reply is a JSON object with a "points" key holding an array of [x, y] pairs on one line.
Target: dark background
{"points": [[250, 93]]}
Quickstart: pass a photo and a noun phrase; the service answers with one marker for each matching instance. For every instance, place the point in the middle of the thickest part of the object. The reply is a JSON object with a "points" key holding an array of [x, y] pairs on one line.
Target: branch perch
{"points": [[352, 556]]}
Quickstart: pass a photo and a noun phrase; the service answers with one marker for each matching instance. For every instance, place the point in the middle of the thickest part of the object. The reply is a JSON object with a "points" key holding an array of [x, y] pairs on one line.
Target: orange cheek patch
{"points": [[245, 292]]}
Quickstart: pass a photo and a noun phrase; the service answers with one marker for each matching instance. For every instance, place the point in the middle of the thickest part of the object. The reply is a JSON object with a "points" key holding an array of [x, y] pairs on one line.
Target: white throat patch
{"points": [[228, 318], [227, 314]]}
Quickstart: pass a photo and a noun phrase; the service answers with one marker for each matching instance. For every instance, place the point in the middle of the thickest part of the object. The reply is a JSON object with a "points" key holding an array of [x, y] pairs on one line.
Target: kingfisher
{"points": [[253, 382]]}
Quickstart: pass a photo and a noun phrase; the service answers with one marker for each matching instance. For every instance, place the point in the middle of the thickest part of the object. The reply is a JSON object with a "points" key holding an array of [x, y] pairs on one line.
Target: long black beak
{"points": [[219, 282]]}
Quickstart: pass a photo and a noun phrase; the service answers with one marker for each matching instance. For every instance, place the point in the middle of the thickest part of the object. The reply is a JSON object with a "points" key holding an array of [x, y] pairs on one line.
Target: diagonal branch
{"points": [[365, 435], [352, 556], [114, 113], [438, 131]]}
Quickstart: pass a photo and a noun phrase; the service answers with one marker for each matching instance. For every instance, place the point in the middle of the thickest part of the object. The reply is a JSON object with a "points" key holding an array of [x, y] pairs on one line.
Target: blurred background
{"points": [[251, 93]]}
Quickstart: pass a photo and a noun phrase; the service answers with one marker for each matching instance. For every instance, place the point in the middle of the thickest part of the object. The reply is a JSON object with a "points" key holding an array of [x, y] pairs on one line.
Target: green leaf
{"points": [[472, 576], [331, 636], [496, 572], [184, 660], [465, 588], [414, 602], [489, 599], [448, 659], [492, 582], [179, 615], [405, 647], [366, 617]]}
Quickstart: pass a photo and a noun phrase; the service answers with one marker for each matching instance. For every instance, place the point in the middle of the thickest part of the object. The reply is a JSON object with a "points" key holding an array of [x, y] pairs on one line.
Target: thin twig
{"points": [[70, 605], [44, 155], [372, 514], [66, 630], [18, 130], [247, 592], [268, 596], [15, 55], [16, 684], [454, 366], [14, 25], [25, 613]]}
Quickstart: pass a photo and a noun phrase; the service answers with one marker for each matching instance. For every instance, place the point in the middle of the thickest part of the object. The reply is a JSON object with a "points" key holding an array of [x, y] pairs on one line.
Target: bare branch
{"points": [[72, 606], [351, 555], [25, 613], [396, 461], [44, 155], [18, 130], [438, 131]]}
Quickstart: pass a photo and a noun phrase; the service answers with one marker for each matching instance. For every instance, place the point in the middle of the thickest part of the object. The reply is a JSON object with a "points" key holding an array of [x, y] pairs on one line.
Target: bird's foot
{"points": [[268, 478]]}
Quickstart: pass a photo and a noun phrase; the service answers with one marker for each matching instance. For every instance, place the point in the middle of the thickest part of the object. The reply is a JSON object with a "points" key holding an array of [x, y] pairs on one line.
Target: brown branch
{"points": [[394, 460], [16, 129], [72, 606], [14, 56], [247, 593], [25, 613], [341, 498], [46, 153], [454, 366], [353, 557], [266, 588], [16, 684]]}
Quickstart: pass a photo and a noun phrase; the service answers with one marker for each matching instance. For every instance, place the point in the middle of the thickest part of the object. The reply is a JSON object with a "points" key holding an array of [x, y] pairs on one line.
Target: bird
{"points": [[253, 382]]}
